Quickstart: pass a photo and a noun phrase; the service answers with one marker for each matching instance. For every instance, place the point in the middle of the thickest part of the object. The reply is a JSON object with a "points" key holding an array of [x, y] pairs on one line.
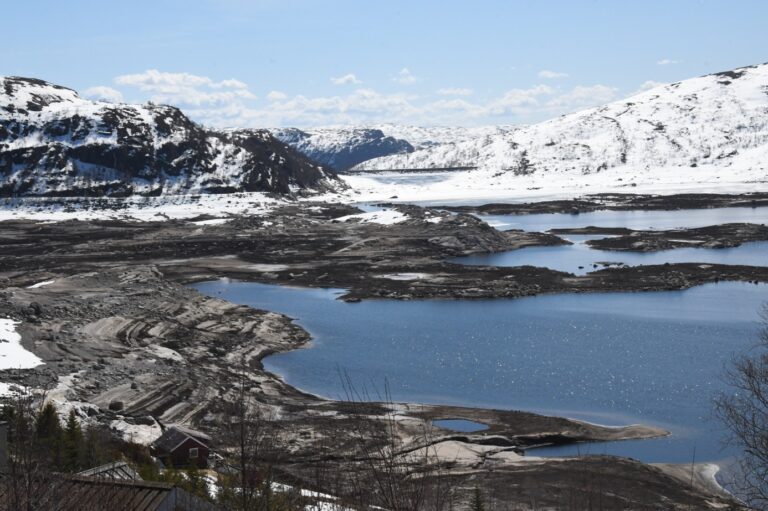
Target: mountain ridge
{"points": [[54, 143]]}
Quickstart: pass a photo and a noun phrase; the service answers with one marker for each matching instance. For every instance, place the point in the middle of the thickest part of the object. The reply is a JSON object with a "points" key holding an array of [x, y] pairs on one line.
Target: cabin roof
{"points": [[173, 437], [75, 493], [116, 470]]}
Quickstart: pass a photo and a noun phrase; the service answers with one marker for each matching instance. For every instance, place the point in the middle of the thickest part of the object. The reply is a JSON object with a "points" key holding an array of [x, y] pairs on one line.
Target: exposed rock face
{"points": [[54, 143], [342, 148]]}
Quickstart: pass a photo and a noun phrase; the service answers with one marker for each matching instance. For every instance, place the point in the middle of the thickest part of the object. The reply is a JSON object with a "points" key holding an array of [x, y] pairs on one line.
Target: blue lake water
{"points": [[613, 358], [460, 425], [631, 219], [579, 258]]}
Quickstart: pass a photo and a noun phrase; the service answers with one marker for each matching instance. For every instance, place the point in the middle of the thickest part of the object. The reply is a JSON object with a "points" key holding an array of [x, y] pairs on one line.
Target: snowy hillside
{"points": [[424, 137], [54, 143], [341, 148], [695, 131]]}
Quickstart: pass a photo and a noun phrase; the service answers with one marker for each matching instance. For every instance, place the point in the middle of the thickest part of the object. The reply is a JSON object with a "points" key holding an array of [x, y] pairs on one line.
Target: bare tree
{"points": [[256, 443], [744, 410], [386, 472]]}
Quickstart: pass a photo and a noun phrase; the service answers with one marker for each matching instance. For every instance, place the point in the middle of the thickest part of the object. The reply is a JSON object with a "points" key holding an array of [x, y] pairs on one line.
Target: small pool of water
{"points": [[460, 425], [580, 259], [610, 358]]}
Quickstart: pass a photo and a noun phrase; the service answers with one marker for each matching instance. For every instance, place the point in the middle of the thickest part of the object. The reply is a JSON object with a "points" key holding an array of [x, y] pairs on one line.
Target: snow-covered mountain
{"points": [[54, 143], [711, 125], [343, 147], [423, 137]]}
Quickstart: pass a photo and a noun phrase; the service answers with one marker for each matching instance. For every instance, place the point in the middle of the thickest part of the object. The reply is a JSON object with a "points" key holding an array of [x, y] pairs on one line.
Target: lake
{"points": [[579, 258], [610, 358], [684, 218]]}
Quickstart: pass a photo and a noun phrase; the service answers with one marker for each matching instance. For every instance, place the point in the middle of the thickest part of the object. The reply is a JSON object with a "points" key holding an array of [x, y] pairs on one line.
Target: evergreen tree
{"points": [[477, 501], [73, 443], [48, 434], [47, 425]]}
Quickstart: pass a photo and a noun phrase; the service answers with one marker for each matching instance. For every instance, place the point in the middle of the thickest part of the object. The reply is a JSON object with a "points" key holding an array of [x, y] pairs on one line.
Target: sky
{"points": [[308, 63]]}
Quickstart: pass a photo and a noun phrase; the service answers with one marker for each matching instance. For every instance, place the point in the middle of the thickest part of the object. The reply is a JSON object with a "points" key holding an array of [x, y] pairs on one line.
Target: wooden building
{"points": [[181, 447]]}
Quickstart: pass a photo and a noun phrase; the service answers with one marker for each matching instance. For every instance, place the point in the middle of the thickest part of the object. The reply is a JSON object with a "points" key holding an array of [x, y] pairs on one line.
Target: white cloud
{"points": [[549, 75], [186, 88], [667, 62], [404, 77], [101, 93], [230, 102], [455, 91], [347, 79], [583, 97], [515, 101], [276, 95], [647, 85], [368, 106]]}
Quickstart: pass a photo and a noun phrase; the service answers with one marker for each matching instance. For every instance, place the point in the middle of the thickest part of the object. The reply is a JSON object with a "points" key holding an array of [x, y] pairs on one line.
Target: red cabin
{"points": [[181, 447]]}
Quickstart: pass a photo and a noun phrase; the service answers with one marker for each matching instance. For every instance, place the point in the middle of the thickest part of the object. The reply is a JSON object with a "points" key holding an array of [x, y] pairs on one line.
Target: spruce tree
{"points": [[48, 434], [477, 501], [73, 443]]}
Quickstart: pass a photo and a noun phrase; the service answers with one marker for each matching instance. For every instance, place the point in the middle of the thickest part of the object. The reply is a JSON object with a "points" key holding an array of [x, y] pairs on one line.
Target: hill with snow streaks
{"points": [[696, 130], [342, 148], [54, 143], [421, 137]]}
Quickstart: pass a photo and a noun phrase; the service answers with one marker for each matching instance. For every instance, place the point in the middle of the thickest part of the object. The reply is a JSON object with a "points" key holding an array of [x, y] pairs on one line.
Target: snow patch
{"points": [[136, 433], [404, 276], [41, 284], [166, 353], [12, 354], [214, 221], [385, 217]]}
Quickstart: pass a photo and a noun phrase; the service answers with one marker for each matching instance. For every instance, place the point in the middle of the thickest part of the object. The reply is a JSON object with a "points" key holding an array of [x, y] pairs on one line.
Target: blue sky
{"points": [[313, 62]]}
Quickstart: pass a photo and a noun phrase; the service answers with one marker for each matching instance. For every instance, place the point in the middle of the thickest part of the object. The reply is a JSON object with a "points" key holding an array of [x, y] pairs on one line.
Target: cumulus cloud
{"points": [[277, 95], [404, 77], [186, 88], [455, 91], [667, 62], [515, 101], [364, 106], [347, 79], [647, 85], [550, 75], [102, 93], [583, 97], [230, 102]]}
